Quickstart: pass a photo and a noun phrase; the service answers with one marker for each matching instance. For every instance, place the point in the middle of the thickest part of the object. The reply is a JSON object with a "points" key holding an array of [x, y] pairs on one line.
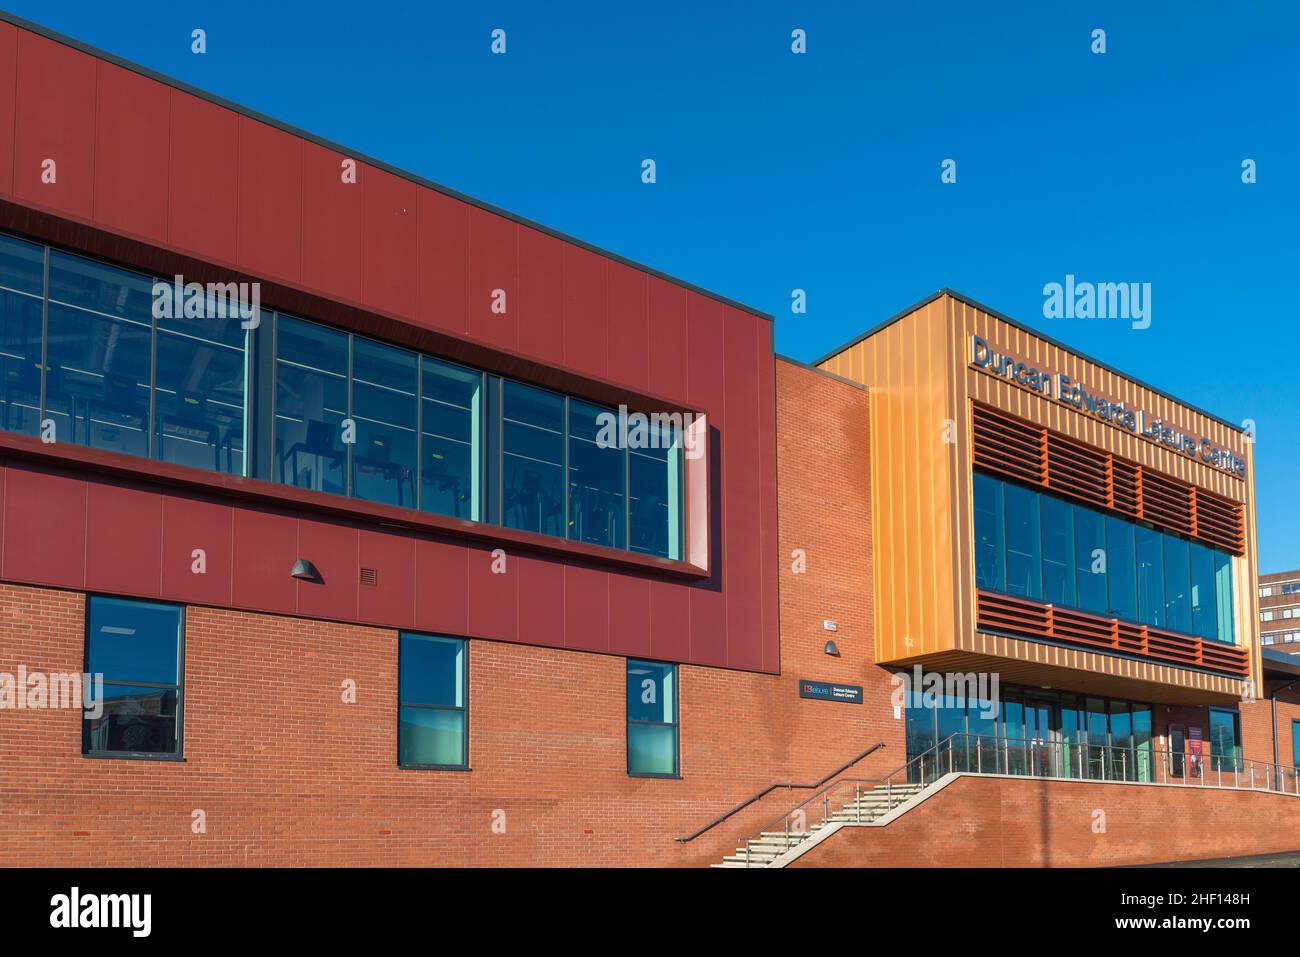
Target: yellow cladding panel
{"points": [[913, 461]]}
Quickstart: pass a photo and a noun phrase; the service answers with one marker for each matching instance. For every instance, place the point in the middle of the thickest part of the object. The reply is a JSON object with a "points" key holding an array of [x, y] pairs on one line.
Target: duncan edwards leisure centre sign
{"points": [[1072, 393]]}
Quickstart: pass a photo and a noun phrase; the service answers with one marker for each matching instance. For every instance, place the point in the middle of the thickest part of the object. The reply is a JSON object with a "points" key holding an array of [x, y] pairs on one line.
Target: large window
{"points": [[137, 647], [597, 505], [1225, 740], [432, 730], [115, 376], [990, 534], [451, 445], [651, 719], [1041, 547], [87, 347], [22, 289], [532, 465]]}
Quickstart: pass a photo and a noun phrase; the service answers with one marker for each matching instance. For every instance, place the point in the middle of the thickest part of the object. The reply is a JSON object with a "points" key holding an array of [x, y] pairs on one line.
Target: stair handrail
{"points": [[877, 780], [773, 787]]}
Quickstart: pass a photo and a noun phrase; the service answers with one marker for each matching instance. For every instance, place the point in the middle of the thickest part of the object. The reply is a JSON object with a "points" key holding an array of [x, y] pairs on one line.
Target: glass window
{"points": [[1295, 743], [1024, 544], [1091, 562], [1178, 590], [1121, 569], [532, 459], [990, 534], [200, 409], [1205, 618], [136, 646], [597, 507], [1150, 576], [384, 409], [1223, 597], [22, 289], [451, 442], [1142, 742], [1122, 759], [97, 377], [920, 725], [651, 719], [1058, 551], [432, 731], [654, 493], [1225, 740], [311, 404]]}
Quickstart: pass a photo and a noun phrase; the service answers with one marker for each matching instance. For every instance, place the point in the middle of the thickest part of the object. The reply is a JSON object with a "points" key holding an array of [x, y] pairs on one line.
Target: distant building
{"points": [[1279, 611]]}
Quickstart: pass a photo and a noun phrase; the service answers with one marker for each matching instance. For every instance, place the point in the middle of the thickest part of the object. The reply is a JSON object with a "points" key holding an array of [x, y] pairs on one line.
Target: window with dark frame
{"points": [[432, 719], [138, 648], [652, 727]]}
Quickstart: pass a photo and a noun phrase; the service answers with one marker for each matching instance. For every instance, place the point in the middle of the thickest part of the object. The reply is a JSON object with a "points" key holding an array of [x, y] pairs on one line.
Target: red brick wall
{"points": [[1005, 822], [287, 774]]}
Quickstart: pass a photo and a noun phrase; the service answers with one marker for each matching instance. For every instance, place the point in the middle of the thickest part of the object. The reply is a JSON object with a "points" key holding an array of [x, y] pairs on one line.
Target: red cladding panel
{"points": [[331, 225], [585, 335], [266, 547], [629, 615], [270, 201], [123, 540], [390, 599], [708, 626], [388, 244], [131, 150], [541, 599], [44, 528], [443, 264], [55, 121], [541, 296], [708, 374], [204, 178], [743, 556], [442, 587], [493, 596], [629, 355], [670, 621], [493, 267], [333, 550], [191, 525], [586, 608], [8, 104], [669, 362], [767, 494]]}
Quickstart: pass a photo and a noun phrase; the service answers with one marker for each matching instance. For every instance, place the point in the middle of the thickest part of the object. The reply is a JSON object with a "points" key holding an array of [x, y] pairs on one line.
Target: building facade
{"points": [[1279, 611], [393, 529]]}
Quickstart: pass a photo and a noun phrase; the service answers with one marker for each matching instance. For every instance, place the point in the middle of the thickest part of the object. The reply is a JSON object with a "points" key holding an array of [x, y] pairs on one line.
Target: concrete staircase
{"points": [[763, 850]]}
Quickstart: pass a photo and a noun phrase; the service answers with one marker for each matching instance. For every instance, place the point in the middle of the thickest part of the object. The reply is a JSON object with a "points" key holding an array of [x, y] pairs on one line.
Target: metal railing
{"points": [[851, 800], [776, 787]]}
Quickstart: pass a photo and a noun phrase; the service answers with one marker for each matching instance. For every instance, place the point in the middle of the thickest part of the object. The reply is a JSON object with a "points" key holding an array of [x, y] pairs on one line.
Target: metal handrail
{"points": [[773, 787], [825, 790], [1109, 759]]}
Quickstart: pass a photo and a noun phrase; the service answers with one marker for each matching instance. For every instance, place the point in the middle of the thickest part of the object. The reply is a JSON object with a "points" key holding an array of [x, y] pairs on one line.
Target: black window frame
{"points": [[1217, 760], [179, 754], [464, 708], [675, 724]]}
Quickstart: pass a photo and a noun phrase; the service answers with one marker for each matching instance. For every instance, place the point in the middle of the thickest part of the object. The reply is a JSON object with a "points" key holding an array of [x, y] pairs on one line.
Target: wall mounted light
{"points": [[831, 648], [305, 571]]}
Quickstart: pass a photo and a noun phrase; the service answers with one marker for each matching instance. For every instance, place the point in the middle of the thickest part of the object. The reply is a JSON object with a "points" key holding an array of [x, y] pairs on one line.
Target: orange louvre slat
{"points": [[1037, 456], [1019, 616]]}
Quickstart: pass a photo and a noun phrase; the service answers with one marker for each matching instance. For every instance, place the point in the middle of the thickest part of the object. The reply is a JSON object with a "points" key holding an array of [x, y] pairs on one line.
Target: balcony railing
{"points": [[862, 800], [1020, 616]]}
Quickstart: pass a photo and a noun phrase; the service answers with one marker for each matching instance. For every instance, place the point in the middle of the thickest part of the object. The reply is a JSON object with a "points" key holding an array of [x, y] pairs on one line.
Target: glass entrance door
{"points": [[1043, 734]]}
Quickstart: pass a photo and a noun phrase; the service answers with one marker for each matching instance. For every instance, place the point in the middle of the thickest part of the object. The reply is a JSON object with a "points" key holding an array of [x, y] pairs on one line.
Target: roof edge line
{"points": [[248, 112], [976, 304]]}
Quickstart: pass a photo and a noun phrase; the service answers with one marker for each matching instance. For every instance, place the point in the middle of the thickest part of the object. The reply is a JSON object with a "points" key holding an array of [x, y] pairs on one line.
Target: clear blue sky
{"points": [[821, 171]]}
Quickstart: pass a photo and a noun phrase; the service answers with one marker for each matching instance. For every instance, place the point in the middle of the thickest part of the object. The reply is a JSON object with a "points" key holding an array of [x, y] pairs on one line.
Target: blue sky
{"points": [[822, 171]]}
